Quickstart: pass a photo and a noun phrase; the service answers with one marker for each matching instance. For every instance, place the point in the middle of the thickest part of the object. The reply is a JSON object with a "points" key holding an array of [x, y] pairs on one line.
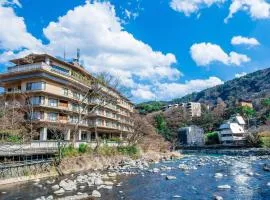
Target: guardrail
{"points": [[46, 147]]}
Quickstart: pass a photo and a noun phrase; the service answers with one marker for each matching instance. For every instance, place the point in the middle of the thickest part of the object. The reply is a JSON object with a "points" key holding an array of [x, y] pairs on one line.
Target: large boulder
{"points": [[68, 185], [96, 194], [170, 177]]}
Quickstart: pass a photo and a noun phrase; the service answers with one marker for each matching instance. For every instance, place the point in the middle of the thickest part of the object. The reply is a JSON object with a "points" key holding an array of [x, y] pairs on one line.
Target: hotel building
{"points": [[54, 88]]}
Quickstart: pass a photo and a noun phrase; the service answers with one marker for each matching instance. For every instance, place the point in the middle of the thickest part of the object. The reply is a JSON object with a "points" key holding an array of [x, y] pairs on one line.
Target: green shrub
{"points": [[14, 139], [128, 150], [107, 151], [83, 148], [115, 139], [69, 151], [265, 142], [211, 138]]}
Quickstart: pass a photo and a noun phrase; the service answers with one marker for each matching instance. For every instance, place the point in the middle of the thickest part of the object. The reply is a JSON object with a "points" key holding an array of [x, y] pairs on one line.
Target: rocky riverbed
{"points": [[192, 177]]}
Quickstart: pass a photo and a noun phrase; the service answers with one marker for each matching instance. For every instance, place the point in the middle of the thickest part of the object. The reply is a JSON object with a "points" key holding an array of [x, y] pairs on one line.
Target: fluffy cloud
{"points": [[192, 6], [257, 9], [106, 46], [168, 91], [238, 75], [98, 32], [238, 40], [15, 35], [206, 53], [172, 90], [143, 92]]}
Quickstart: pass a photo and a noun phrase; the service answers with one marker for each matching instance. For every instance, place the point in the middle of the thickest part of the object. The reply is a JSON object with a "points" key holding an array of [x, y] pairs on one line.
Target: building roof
{"points": [[234, 127], [39, 57], [240, 120]]}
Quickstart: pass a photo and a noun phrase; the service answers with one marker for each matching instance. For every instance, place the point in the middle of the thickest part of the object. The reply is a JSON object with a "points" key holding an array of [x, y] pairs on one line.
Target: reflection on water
{"points": [[196, 180]]}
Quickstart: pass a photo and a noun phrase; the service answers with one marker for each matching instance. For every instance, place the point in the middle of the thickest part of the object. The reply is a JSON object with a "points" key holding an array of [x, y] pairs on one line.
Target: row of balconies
{"points": [[44, 66], [55, 117]]}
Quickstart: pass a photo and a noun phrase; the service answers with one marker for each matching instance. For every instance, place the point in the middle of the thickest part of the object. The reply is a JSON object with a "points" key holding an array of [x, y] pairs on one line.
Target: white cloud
{"points": [[106, 46], [238, 75], [14, 35], [206, 53], [238, 40], [189, 7], [98, 32], [168, 91], [143, 92], [173, 90], [257, 9]]}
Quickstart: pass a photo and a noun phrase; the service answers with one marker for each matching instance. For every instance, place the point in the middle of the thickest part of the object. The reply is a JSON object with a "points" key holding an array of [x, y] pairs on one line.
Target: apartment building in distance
{"points": [[193, 109], [54, 88]]}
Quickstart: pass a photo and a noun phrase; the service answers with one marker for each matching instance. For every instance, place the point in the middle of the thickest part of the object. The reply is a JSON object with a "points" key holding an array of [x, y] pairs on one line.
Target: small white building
{"points": [[233, 131]]}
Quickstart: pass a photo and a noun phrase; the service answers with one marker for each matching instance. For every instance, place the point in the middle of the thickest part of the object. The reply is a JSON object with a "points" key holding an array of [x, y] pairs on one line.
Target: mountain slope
{"points": [[252, 86]]}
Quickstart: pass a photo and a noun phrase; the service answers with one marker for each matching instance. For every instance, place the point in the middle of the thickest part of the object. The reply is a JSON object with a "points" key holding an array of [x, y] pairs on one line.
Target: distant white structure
{"points": [[233, 131], [193, 108]]}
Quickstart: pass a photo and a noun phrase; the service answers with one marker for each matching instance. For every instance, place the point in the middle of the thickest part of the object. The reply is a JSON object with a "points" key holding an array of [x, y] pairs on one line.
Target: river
{"points": [[198, 179]]}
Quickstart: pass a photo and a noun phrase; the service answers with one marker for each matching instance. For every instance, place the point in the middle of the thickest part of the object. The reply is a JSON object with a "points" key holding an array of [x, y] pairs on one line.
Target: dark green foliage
{"points": [[83, 148], [162, 127], [266, 102], [149, 107], [128, 150], [14, 139], [211, 138]]}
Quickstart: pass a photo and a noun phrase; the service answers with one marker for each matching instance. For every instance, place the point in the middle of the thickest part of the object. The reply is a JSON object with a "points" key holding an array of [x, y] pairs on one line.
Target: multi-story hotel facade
{"points": [[54, 88]]}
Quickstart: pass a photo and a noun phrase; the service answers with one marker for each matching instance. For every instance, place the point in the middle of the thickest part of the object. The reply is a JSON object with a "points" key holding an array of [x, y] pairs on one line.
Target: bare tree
{"points": [[100, 93]]}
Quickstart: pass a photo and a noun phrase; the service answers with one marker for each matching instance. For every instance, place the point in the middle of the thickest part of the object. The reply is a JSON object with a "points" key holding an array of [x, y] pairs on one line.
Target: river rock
{"points": [[108, 183], [216, 197], [266, 167], [183, 167], [224, 187], [60, 191], [112, 174], [155, 170], [96, 194], [218, 175], [55, 187], [170, 177], [50, 182], [98, 181], [68, 185], [49, 197]]}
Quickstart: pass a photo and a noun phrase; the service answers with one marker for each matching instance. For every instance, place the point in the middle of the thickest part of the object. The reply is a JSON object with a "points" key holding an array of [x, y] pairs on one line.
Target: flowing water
{"points": [[245, 175]]}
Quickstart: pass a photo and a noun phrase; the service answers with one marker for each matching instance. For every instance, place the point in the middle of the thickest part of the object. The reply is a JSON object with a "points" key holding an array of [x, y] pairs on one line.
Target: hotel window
{"points": [[60, 70], [38, 115], [65, 91], [73, 119], [76, 95], [37, 100], [36, 86], [52, 116], [75, 107], [53, 102], [84, 135]]}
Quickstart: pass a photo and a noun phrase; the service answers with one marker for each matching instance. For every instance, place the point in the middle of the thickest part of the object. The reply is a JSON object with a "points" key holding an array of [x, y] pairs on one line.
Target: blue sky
{"points": [[159, 49]]}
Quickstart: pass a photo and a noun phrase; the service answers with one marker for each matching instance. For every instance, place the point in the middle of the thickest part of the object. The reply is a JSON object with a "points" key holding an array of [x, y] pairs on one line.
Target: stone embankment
{"points": [[228, 151]]}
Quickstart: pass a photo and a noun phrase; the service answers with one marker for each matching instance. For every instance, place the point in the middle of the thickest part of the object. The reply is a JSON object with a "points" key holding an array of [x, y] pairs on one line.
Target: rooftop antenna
{"points": [[64, 54], [78, 55]]}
